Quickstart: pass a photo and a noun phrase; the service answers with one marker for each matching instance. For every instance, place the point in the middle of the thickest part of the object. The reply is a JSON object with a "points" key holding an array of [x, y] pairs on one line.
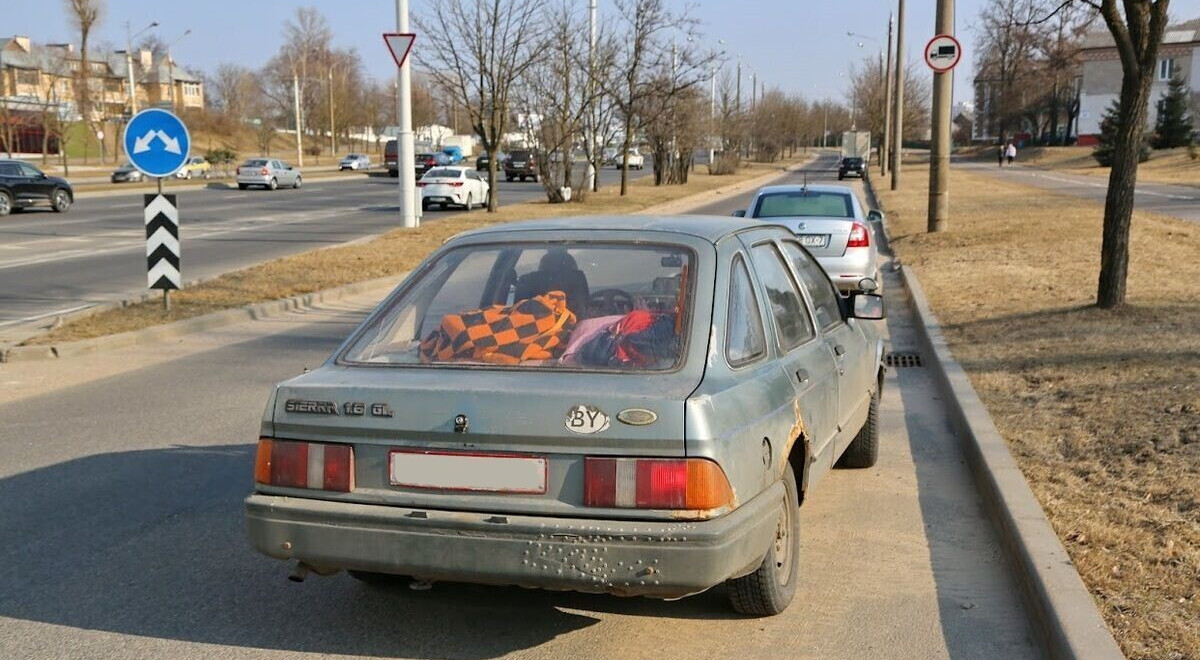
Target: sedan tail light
{"points": [[420, 184], [639, 483], [455, 184], [237, 170], [313, 465], [264, 171], [859, 236]]}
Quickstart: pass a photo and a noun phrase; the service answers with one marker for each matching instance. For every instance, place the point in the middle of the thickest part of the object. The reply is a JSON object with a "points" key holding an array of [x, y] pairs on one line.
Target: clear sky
{"points": [[797, 45]]}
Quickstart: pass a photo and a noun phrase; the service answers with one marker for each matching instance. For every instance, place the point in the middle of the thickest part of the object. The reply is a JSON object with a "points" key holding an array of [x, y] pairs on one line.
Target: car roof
{"points": [[711, 228]]}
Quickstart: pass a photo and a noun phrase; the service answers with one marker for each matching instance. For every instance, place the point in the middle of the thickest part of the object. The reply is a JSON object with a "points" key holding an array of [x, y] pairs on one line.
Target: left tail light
{"points": [[312, 465], [859, 236], [640, 483]]}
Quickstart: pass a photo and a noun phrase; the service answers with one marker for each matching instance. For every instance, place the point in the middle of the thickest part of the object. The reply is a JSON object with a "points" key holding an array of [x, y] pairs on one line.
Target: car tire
{"points": [[770, 588], [470, 205], [393, 174], [299, 182], [206, 175], [863, 451], [242, 186], [508, 179], [6, 204], [424, 205], [60, 201], [272, 185], [187, 175]]}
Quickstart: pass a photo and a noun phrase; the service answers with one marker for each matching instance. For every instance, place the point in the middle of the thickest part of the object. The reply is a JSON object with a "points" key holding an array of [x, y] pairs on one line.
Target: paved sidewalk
{"points": [[1178, 201]]}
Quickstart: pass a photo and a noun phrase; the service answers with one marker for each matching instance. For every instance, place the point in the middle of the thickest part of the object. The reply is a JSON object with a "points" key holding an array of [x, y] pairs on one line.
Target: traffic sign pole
{"points": [[942, 54], [158, 144], [404, 139]]}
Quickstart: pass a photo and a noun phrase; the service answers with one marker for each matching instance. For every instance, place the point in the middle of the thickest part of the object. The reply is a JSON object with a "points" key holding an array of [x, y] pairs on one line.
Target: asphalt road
{"points": [[122, 522], [1179, 201], [51, 264]]}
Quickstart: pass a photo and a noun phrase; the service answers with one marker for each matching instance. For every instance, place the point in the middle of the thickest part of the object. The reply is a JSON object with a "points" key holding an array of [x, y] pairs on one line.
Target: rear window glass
{"points": [[254, 163], [582, 306], [804, 204], [444, 173]]}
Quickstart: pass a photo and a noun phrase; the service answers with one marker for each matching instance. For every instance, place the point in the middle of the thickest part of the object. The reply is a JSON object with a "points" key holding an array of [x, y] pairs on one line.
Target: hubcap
{"points": [[61, 201], [4, 204], [783, 544]]}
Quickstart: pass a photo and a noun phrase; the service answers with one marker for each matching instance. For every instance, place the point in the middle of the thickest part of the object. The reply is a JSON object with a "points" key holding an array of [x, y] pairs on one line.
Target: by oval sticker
{"points": [[586, 420]]}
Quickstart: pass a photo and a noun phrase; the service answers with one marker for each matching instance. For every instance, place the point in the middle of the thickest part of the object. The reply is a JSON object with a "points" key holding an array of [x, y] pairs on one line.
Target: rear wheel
{"points": [[770, 588], [242, 186], [187, 175], [299, 182], [470, 202], [272, 185], [863, 451], [60, 201], [6, 204]]}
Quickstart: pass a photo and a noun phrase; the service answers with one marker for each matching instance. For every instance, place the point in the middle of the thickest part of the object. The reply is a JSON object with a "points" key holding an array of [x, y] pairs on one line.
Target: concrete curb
{"points": [[1061, 609], [169, 331]]}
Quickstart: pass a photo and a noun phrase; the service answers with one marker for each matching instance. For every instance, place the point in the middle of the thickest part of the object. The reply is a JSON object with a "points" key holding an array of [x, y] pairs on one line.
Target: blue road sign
{"points": [[157, 142]]}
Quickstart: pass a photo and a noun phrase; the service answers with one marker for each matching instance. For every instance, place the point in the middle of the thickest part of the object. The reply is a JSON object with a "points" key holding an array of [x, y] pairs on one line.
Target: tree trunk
{"points": [[626, 144], [493, 200], [1118, 203]]}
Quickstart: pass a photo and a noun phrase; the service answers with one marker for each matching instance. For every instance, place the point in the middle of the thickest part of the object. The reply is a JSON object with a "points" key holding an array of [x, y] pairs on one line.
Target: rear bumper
{"points": [[256, 180], [847, 270], [659, 559]]}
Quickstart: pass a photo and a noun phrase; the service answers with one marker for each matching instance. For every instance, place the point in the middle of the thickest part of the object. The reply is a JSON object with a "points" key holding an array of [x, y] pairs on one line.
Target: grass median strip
{"points": [[1102, 408], [395, 252]]}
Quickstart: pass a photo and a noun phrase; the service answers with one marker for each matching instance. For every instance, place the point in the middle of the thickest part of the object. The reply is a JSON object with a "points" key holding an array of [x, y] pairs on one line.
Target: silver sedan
{"points": [[268, 173], [830, 223]]}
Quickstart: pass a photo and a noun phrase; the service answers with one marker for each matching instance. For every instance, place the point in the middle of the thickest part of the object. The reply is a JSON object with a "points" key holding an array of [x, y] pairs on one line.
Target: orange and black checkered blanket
{"points": [[532, 329]]}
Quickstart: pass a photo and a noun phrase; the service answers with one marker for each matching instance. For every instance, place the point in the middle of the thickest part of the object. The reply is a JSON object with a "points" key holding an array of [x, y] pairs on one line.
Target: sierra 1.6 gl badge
{"points": [[586, 419]]}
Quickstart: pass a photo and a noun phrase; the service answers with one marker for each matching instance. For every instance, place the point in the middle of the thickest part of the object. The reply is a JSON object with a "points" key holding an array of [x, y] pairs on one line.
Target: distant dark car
{"points": [[390, 160], [22, 185], [482, 162], [521, 165], [126, 173], [852, 166], [423, 162]]}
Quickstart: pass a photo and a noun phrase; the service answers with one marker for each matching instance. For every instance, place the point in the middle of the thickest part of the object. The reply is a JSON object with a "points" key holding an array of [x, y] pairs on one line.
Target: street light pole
{"points": [[887, 105], [129, 63], [332, 130], [939, 160], [591, 182], [296, 109], [404, 139], [898, 118]]}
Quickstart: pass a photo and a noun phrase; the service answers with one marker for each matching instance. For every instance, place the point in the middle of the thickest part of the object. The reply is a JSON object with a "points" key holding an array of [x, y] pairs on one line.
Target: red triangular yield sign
{"points": [[399, 44]]}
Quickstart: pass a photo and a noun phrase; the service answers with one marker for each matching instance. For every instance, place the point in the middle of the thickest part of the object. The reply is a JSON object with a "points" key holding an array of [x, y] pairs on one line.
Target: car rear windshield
{"points": [[520, 155], [804, 204], [255, 163], [572, 306], [443, 173], [854, 161]]}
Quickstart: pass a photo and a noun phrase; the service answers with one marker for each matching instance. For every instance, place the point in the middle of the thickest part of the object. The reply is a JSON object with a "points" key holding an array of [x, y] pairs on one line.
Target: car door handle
{"points": [[802, 376], [839, 349]]}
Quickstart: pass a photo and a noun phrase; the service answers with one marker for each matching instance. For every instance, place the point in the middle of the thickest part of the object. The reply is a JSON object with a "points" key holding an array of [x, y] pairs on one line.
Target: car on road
{"points": [[22, 185], [355, 162], [830, 222], [609, 155], [127, 173], [852, 166], [270, 173], [195, 167], [390, 158], [425, 161], [453, 185], [633, 405], [521, 164], [636, 160], [483, 160]]}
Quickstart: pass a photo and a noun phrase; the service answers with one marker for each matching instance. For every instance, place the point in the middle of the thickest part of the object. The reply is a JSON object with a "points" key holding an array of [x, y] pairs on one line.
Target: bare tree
{"points": [[233, 90], [495, 43], [84, 14], [1010, 34], [867, 90]]}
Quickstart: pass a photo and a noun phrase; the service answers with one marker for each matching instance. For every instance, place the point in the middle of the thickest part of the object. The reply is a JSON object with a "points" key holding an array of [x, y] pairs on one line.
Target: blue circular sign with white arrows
{"points": [[157, 142]]}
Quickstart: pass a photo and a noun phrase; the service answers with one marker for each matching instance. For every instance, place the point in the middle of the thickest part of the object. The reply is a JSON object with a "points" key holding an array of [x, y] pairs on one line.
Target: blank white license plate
{"points": [[813, 240], [494, 473]]}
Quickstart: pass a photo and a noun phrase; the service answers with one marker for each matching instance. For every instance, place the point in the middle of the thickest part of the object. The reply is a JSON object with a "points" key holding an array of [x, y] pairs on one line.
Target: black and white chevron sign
{"points": [[162, 242]]}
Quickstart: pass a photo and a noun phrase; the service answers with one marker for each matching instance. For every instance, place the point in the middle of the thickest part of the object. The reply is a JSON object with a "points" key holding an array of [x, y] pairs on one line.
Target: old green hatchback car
{"points": [[629, 405]]}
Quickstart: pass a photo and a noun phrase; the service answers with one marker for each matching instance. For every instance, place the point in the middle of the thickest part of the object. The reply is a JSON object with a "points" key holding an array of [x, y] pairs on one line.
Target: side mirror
{"points": [[867, 306], [740, 213], [874, 216]]}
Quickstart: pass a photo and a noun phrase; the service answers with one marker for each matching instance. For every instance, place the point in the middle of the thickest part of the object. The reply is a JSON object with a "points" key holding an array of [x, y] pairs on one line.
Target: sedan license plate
{"points": [[517, 163], [493, 473], [814, 240]]}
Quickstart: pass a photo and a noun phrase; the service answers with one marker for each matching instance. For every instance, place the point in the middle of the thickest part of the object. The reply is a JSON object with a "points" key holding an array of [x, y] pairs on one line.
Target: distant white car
{"points": [[636, 160], [454, 185], [355, 162]]}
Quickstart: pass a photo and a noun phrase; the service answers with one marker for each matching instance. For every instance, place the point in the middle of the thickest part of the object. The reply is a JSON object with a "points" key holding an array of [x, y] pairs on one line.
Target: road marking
{"points": [[36, 317]]}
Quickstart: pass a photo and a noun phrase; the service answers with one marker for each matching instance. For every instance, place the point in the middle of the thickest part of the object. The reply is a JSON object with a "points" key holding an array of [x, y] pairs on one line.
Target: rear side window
{"points": [[816, 282], [745, 338], [791, 317]]}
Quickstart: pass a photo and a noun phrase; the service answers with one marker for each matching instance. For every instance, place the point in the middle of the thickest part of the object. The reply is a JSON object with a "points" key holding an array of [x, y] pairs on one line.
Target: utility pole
{"points": [[739, 85], [592, 183], [332, 131], [404, 139], [887, 105], [939, 157], [898, 117], [296, 110], [825, 130], [712, 118]]}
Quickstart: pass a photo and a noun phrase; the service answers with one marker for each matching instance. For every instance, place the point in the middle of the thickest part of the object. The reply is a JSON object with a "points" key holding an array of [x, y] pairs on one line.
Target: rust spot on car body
{"points": [[799, 430]]}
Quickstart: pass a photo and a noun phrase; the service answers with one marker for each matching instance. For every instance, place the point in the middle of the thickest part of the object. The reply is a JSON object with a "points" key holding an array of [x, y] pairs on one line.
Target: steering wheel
{"points": [[606, 302]]}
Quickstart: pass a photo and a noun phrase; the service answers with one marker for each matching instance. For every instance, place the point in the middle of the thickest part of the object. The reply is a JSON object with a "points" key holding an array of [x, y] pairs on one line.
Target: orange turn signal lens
{"points": [[707, 486], [262, 462]]}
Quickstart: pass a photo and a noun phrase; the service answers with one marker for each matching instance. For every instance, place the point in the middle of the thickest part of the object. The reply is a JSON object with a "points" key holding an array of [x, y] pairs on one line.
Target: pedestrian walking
{"points": [[1000, 155], [1011, 153]]}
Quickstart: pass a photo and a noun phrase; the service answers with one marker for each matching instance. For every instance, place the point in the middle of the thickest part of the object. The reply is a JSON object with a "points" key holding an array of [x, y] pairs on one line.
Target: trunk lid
{"points": [[522, 413], [823, 237]]}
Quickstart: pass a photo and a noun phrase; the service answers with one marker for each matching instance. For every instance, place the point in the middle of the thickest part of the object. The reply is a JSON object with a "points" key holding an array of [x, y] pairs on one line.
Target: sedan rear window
{"points": [[804, 204], [255, 163], [443, 173], [583, 306]]}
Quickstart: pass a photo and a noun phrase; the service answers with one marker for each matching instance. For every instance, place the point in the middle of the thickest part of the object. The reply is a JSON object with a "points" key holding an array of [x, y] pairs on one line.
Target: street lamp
{"points": [[129, 62], [171, 66]]}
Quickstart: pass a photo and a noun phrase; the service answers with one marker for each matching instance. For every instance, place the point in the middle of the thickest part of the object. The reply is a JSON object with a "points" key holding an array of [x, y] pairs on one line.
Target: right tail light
{"points": [[655, 483], [860, 236]]}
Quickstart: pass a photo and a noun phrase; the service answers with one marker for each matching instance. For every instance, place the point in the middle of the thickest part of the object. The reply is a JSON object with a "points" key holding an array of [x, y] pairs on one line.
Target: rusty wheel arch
{"points": [[800, 457]]}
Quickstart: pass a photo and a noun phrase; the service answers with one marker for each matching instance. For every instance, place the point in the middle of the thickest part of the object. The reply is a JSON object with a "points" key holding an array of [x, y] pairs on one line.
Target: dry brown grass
{"points": [[1174, 166], [1102, 409], [395, 252]]}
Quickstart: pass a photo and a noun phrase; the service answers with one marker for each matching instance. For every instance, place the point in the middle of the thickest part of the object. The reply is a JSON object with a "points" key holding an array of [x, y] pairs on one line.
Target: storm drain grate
{"points": [[900, 360]]}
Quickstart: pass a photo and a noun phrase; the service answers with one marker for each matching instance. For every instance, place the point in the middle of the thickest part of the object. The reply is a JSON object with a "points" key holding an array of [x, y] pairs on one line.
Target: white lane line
{"points": [[36, 317]]}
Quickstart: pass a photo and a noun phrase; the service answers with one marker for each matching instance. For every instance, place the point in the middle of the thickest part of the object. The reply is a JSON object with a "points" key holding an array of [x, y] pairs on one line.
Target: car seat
{"points": [[557, 271]]}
